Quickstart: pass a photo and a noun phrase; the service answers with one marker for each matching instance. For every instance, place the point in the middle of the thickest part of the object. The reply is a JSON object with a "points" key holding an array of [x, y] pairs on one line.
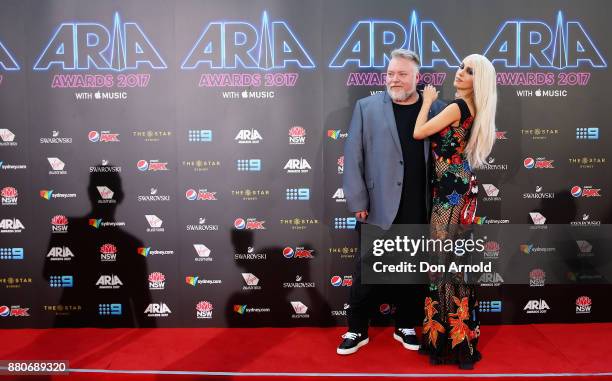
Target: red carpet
{"points": [[573, 351]]}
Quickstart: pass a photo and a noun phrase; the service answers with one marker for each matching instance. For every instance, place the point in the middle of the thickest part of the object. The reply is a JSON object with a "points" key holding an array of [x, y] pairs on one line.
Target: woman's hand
{"points": [[430, 94]]}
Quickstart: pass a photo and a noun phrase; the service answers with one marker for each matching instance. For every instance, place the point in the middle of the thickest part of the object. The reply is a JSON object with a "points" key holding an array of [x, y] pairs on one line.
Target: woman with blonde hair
{"points": [[462, 136]]}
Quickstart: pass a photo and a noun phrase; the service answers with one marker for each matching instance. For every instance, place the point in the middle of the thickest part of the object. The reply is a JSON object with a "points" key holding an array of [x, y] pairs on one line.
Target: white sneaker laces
{"points": [[407, 331], [351, 335]]}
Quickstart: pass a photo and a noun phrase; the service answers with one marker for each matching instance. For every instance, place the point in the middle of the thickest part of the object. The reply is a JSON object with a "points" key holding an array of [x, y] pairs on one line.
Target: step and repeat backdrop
{"points": [[179, 163]]}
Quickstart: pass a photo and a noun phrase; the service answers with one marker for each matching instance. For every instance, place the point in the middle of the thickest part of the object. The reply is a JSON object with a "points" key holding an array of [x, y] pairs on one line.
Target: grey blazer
{"points": [[373, 161]]}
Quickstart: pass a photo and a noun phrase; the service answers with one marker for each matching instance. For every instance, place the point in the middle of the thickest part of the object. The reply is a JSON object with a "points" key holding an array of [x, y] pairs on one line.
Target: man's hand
{"points": [[362, 215]]}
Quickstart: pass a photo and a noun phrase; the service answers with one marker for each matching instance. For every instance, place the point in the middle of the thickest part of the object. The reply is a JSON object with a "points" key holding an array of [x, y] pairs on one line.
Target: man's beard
{"points": [[400, 95]]}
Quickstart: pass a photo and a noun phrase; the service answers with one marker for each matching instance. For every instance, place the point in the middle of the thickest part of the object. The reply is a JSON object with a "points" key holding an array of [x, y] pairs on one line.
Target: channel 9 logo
{"points": [[248, 165], [589, 133], [298, 194], [11, 253], [110, 309], [200, 136], [61, 281], [345, 223], [490, 306]]}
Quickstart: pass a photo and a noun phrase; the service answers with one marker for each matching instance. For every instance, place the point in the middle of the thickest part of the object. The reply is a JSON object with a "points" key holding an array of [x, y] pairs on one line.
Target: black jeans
{"points": [[409, 301]]}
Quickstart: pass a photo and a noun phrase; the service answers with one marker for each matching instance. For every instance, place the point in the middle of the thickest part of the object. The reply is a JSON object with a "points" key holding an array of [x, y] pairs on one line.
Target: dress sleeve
{"points": [[465, 110]]}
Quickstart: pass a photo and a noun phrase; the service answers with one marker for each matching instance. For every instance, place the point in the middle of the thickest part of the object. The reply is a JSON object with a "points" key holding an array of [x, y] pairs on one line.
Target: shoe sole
{"points": [[410, 347], [350, 351]]}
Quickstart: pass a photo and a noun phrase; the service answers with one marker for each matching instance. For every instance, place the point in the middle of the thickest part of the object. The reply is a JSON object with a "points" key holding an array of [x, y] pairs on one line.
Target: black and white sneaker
{"points": [[408, 338], [352, 342]]}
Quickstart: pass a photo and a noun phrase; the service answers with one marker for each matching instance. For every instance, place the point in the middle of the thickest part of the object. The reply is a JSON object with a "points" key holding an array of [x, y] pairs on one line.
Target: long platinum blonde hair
{"points": [[482, 136]]}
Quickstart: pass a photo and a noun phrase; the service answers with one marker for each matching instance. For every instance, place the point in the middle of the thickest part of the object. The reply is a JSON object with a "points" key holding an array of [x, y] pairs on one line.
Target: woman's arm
{"points": [[424, 128]]}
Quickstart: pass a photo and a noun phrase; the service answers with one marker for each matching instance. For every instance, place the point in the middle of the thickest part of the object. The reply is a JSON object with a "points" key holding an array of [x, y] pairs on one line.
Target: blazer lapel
{"points": [[390, 121]]}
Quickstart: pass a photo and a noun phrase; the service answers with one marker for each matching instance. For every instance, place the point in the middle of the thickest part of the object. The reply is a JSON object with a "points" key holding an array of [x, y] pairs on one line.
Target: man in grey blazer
{"points": [[385, 182]]}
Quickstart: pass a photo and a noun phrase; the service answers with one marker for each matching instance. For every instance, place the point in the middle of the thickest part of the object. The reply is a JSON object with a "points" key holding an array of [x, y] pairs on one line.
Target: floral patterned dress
{"points": [[451, 325]]}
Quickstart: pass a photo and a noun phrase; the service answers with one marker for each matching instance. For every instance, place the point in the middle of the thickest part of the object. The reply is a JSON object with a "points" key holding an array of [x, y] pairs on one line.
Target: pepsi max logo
{"points": [[345, 281], [239, 223], [586, 191], [288, 252], [191, 194], [5, 311], [249, 224], [539, 163], [103, 136], [385, 309], [544, 164], [303, 253], [202, 194], [299, 252], [142, 165], [93, 136], [152, 165]]}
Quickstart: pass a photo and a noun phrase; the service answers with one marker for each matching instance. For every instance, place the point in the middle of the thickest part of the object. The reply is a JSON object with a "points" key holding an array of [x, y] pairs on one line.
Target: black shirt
{"points": [[412, 209]]}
